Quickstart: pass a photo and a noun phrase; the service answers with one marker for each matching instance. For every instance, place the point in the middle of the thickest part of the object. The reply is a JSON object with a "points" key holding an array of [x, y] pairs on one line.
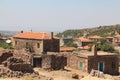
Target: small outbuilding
{"points": [[49, 61], [101, 61]]}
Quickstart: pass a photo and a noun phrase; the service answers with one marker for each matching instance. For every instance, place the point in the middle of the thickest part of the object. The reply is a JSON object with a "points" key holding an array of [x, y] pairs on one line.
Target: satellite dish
{"points": [[8, 41]]}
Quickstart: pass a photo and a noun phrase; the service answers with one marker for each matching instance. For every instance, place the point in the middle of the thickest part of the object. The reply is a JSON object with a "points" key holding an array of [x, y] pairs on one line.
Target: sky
{"points": [[57, 15]]}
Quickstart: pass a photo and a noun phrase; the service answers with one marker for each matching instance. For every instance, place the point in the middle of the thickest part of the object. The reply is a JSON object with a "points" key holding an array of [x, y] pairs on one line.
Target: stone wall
{"points": [[17, 64], [21, 67], [53, 62], [108, 60], [26, 57], [51, 45], [21, 44], [73, 61], [5, 55], [58, 62], [46, 62], [92, 62]]}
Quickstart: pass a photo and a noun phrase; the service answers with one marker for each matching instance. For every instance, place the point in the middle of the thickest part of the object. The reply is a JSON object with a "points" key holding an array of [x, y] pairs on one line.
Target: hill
{"points": [[101, 31], [8, 33]]}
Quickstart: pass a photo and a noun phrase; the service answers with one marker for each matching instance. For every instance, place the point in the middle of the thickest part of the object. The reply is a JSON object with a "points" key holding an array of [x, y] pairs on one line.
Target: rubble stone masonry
{"points": [[111, 63], [38, 46]]}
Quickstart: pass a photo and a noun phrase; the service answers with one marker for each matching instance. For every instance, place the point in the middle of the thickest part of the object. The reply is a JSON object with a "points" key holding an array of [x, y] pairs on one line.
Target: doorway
{"points": [[101, 66], [81, 65], [37, 62]]}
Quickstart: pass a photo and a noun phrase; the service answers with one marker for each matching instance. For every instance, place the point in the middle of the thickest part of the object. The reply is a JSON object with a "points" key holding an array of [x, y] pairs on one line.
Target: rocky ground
{"points": [[59, 75], [73, 75], [9, 71]]}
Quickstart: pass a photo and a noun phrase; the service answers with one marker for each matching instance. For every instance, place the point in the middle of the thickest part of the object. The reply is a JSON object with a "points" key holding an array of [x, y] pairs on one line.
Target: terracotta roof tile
{"points": [[117, 36], [67, 48], [86, 47], [34, 35], [109, 37], [118, 41], [95, 37], [84, 40]]}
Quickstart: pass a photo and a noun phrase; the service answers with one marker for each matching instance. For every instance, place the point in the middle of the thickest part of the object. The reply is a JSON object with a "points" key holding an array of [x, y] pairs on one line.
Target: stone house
{"points": [[117, 39], [36, 42], [50, 61], [84, 42], [67, 49], [109, 39], [86, 61], [95, 38], [65, 40]]}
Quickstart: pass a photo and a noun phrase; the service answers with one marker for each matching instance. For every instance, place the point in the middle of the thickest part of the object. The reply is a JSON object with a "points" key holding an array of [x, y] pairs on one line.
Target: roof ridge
{"points": [[43, 35]]}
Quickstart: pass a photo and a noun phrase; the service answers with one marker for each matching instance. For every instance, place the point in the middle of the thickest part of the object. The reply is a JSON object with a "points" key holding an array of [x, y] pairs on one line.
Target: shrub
{"points": [[5, 45], [102, 45], [71, 44], [107, 47]]}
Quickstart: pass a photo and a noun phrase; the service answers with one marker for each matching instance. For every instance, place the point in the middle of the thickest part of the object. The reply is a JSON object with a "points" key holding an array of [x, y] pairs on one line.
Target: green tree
{"points": [[102, 45], [107, 47], [71, 44]]}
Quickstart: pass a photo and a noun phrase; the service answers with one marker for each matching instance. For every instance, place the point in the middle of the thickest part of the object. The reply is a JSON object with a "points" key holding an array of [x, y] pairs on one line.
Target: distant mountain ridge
{"points": [[110, 30]]}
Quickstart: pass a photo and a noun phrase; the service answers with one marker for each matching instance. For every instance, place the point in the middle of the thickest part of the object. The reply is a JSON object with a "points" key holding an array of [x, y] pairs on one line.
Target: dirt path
{"points": [[10, 79], [57, 75]]}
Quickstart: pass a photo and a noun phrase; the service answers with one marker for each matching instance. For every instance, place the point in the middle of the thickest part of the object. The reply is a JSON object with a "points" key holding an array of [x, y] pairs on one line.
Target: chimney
{"points": [[22, 31], [51, 35], [94, 50]]}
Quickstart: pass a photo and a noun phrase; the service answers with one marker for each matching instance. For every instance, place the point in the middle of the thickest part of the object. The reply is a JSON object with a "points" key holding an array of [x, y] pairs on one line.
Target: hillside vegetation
{"points": [[101, 31]]}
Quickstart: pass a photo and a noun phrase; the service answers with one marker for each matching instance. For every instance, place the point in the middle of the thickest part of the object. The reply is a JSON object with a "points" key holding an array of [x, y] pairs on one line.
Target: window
{"points": [[15, 42], [81, 65], [38, 45], [27, 45], [113, 65]]}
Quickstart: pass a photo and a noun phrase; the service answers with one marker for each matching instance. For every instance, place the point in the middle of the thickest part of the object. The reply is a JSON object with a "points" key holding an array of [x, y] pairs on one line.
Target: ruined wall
{"points": [[52, 45], [58, 62], [23, 55], [73, 61], [46, 62], [21, 67], [18, 64], [5, 55], [53, 62], [21, 44], [107, 59]]}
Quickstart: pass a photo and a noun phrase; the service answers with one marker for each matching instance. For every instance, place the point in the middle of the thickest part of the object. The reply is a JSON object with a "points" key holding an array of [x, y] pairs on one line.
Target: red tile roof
{"points": [[109, 37], [84, 40], [95, 37], [117, 36], [86, 47], [34, 35], [63, 49]]}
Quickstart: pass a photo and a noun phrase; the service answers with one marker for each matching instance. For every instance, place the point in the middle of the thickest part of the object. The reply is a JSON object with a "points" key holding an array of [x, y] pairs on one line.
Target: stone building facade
{"points": [[102, 61], [50, 62], [36, 42], [84, 41]]}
